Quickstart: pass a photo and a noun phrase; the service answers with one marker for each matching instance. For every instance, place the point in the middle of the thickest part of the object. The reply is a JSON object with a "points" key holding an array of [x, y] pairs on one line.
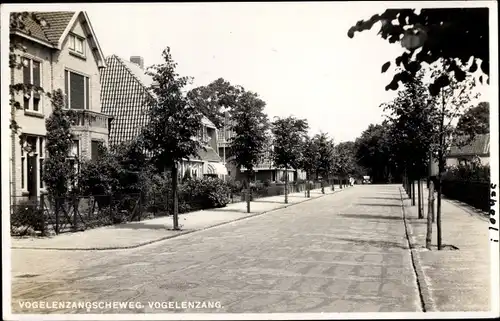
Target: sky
{"points": [[296, 56]]}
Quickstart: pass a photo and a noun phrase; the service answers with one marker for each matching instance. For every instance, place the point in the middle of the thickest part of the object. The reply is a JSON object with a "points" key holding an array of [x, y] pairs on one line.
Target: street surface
{"points": [[344, 252]]}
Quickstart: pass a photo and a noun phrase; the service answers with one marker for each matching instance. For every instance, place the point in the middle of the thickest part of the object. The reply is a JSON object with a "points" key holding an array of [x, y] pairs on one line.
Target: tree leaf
{"points": [[386, 66]]}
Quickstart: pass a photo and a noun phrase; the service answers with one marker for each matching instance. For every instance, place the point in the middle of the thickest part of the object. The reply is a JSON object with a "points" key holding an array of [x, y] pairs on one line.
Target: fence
{"points": [[476, 194], [73, 213]]}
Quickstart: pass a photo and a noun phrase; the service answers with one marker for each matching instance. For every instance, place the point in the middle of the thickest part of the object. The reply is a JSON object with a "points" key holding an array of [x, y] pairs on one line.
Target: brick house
{"points": [[64, 54], [125, 93]]}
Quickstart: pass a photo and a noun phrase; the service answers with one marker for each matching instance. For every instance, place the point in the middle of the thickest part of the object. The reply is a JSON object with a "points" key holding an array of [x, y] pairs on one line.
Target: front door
{"points": [[32, 177]]}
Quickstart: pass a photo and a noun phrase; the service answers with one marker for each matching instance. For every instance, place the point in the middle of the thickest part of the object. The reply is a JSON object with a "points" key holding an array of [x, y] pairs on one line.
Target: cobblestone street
{"points": [[345, 252]]}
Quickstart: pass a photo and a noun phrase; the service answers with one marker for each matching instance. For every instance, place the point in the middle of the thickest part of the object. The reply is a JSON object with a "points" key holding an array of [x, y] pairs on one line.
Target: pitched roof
{"points": [[57, 21], [479, 146], [208, 155], [58, 25], [123, 95]]}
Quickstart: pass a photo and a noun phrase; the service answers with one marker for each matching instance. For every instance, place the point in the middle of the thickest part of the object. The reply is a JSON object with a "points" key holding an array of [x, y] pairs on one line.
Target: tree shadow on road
{"points": [[373, 217], [141, 226], [381, 244], [383, 205], [382, 198]]}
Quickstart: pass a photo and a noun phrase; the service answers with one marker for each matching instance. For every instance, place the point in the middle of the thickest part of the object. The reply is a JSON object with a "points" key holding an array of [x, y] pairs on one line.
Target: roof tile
{"points": [[57, 22]]}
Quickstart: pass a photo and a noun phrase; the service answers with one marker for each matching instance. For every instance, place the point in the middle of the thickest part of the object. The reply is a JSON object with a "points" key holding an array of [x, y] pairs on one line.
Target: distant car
{"points": [[366, 180]]}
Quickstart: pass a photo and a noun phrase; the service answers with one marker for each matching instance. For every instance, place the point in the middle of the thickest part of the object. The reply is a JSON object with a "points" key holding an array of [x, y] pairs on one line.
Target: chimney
{"points": [[138, 60]]}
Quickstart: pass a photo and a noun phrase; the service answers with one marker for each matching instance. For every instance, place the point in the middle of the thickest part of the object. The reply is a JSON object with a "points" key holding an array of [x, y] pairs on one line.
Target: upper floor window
{"points": [[32, 76], [76, 44], [77, 89]]}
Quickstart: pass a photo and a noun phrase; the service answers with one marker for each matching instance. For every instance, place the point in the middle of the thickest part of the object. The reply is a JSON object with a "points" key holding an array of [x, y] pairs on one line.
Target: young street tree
{"points": [[373, 151], [249, 123], [308, 160], [325, 157], [454, 100], [344, 160], [288, 134], [431, 35], [413, 116], [174, 123]]}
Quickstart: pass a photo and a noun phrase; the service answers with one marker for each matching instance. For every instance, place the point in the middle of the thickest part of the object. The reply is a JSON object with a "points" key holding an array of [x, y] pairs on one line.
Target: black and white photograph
{"points": [[250, 160]]}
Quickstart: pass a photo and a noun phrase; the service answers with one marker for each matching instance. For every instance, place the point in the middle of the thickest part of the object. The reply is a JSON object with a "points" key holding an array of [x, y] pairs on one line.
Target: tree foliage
{"points": [[170, 135], [250, 124], [414, 117], [58, 173], [344, 159], [475, 120], [215, 99], [373, 151], [325, 148], [288, 134], [309, 156], [459, 36]]}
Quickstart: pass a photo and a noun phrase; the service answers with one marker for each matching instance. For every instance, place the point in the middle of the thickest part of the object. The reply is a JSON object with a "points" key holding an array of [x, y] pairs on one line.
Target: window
{"points": [[74, 154], [76, 44], [77, 90], [32, 161], [32, 76], [96, 149]]}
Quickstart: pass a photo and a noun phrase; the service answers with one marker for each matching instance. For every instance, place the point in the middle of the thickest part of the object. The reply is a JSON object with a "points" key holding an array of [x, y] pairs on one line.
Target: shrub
{"points": [[27, 215], [267, 183], [203, 193], [471, 173]]}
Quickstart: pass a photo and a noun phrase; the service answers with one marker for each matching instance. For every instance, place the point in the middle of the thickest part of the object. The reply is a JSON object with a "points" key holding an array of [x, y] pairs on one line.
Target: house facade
{"points": [[125, 94], [63, 54], [478, 149]]}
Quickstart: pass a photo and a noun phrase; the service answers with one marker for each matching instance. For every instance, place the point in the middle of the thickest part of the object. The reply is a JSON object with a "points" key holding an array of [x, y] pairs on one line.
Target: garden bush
{"points": [[203, 194], [27, 217]]}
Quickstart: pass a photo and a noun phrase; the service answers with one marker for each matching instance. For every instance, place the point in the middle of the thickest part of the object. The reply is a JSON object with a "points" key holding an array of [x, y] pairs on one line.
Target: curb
{"points": [[126, 247], [426, 300]]}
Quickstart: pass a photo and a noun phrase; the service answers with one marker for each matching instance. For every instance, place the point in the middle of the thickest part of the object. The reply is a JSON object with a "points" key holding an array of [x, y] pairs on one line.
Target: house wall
{"points": [[32, 123], [52, 66]]}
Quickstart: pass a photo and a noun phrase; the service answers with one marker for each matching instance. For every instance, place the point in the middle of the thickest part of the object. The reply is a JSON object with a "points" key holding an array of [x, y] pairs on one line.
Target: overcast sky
{"points": [[296, 56]]}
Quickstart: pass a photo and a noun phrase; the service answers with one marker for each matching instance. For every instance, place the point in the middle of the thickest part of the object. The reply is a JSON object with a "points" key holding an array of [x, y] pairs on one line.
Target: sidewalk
{"points": [[135, 234], [456, 278]]}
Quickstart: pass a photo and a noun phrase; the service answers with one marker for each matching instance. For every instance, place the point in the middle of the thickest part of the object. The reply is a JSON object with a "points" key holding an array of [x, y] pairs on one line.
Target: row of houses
{"points": [[107, 93]]}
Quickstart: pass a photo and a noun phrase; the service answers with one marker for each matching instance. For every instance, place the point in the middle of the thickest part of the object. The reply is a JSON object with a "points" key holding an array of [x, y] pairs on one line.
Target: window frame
{"points": [[86, 89], [73, 38], [30, 108], [40, 154]]}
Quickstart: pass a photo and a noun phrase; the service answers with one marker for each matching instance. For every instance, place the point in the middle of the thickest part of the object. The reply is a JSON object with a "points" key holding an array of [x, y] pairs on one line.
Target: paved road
{"points": [[345, 252]]}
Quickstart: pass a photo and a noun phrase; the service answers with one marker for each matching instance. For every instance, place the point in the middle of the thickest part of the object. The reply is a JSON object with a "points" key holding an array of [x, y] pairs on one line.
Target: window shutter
{"points": [[27, 72], [36, 73]]}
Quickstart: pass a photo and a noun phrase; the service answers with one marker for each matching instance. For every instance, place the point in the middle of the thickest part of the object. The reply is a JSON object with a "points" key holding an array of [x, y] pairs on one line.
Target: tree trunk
{"points": [[308, 185], [333, 184], [286, 185], [247, 194], [175, 197], [440, 171], [430, 215], [420, 214], [413, 194]]}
